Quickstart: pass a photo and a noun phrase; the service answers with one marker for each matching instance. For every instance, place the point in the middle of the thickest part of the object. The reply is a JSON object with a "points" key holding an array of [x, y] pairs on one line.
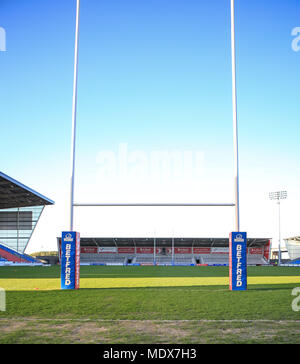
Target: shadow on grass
{"points": [[115, 272], [141, 272], [187, 288], [200, 288]]}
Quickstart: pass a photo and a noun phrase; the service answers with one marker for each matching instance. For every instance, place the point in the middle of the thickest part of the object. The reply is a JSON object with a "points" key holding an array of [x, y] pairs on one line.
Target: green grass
{"points": [[149, 304]]}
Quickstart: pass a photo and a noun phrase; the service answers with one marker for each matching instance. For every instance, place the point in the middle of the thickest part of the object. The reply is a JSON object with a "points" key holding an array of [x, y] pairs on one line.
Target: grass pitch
{"points": [[117, 304]]}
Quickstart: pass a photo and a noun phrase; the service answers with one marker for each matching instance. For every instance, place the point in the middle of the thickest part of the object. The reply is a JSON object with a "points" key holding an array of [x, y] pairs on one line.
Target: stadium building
{"points": [[166, 251], [20, 210], [293, 248]]}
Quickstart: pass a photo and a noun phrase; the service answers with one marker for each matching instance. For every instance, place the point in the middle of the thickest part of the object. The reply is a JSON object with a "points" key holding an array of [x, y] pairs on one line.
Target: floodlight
{"points": [[278, 195]]}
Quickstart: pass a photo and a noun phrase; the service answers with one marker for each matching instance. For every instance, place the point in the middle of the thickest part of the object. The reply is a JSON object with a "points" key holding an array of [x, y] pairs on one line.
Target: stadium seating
{"points": [[256, 260], [103, 258], [11, 255], [185, 259], [165, 259], [224, 259], [144, 258], [215, 258]]}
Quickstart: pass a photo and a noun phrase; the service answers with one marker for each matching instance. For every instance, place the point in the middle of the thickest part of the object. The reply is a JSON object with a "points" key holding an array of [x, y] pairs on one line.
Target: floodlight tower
{"points": [[277, 196]]}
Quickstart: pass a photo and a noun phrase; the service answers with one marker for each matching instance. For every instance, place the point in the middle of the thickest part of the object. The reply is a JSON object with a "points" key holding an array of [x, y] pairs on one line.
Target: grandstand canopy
{"points": [[167, 242], [14, 194]]}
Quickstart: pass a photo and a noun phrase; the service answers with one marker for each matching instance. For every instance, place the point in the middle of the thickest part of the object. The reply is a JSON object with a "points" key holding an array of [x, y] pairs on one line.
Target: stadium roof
{"points": [[14, 194], [294, 238], [167, 242]]}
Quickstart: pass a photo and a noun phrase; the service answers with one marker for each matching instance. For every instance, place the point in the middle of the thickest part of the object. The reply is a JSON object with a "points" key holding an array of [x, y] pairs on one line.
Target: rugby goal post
{"points": [[235, 139]]}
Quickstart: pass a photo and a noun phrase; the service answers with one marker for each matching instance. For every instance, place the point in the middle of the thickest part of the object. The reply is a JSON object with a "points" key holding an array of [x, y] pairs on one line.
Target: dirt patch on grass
{"points": [[35, 331], [162, 331], [147, 332], [9, 326]]}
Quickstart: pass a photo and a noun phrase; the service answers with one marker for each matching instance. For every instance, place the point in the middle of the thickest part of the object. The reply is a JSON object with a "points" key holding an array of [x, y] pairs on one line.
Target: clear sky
{"points": [[154, 113]]}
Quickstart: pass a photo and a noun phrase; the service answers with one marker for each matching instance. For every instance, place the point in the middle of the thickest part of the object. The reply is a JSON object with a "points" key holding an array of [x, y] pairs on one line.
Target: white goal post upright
{"points": [[237, 239], [74, 114], [235, 139], [235, 121]]}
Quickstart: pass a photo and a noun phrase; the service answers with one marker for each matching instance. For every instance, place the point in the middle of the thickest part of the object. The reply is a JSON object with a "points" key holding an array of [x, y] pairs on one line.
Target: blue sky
{"points": [[153, 75]]}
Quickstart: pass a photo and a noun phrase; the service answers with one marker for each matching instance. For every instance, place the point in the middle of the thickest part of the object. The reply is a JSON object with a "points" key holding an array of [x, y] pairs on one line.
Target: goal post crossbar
{"points": [[154, 204]]}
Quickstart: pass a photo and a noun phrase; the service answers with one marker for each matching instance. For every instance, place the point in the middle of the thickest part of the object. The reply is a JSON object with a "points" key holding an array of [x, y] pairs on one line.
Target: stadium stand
{"points": [[166, 251], [9, 255], [20, 211], [293, 248]]}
